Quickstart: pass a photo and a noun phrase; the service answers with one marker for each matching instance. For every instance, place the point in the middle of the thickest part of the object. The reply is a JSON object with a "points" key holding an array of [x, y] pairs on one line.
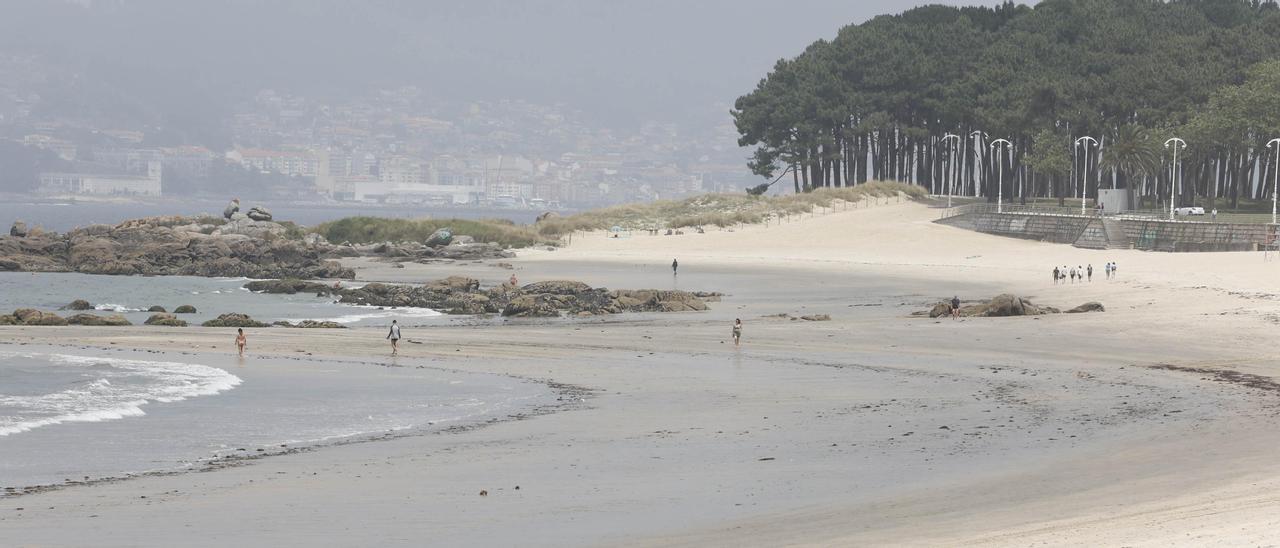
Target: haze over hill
{"points": [[597, 102]]}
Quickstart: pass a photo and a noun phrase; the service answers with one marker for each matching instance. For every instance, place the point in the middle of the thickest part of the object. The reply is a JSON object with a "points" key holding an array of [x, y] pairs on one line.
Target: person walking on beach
{"points": [[1090, 271], [1056, 273], [955, 307], [675, 266], [241, 341], [1073, 275], [513, 281], [737, 331], [394, 336]]}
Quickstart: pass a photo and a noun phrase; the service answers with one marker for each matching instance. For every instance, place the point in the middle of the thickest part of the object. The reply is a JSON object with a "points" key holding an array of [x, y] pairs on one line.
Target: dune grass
{"points": [[719, 210], [709, 210], [363, 230]]}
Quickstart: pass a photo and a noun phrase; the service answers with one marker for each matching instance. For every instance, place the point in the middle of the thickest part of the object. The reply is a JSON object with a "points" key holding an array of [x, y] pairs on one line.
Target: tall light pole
{"points": [[1177, 173], [980, 135], [951, 168], [1275, 174], [1000, 181], [1084, 183]]}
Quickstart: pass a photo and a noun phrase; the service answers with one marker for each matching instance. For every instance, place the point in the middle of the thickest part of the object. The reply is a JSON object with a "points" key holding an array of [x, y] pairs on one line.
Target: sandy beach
{"points": [[1150, 424]]}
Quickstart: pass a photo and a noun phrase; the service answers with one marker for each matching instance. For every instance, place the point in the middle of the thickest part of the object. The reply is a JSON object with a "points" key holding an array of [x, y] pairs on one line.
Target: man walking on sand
{"points": [[1056, 274], [737, 331], [955, 307], [394, 336], [1090, 271], [675, 266]]}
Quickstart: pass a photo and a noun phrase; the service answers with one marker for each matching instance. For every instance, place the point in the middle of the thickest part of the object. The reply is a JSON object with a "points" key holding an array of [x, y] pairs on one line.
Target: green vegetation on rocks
{"points": [[364, 230]]}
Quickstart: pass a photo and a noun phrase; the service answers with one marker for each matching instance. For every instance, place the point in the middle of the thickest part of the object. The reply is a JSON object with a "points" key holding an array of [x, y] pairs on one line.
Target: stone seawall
{"points": [[1092, 232]]}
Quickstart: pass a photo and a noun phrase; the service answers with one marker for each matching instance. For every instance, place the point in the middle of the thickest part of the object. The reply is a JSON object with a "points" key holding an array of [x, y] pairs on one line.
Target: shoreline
{"points": [[568, 398], [1058, 427]]}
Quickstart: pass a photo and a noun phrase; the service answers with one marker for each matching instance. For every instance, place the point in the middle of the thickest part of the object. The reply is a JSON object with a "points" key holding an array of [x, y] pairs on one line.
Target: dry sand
{"points": [[872, 429]]}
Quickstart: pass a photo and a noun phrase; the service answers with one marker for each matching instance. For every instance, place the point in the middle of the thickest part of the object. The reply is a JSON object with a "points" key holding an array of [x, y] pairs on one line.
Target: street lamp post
{"points": [[978, 134], [1000, 180], [1275, 175], [1177, 173], [951, 167], [1084, 183]]}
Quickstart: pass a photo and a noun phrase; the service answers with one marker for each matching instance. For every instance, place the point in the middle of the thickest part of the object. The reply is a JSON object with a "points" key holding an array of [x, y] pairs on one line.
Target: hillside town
{"points": [[395, 146]]}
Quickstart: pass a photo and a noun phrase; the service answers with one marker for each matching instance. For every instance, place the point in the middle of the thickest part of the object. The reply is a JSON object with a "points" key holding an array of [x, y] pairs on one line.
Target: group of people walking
{"points": [[1082, 274]]}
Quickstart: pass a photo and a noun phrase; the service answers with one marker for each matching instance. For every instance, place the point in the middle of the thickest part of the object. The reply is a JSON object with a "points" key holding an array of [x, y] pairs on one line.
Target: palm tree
{"points": [[1130, 152]]}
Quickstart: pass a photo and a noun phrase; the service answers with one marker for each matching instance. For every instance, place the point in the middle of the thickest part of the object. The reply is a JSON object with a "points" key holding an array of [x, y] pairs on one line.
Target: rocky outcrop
{"points": [[156, 308], [172, 245], [287, 287], [18, 229], [259, 213], [114, 320], [185, 309], [311, 324], [1087, 307], [816, 318], [234, 320], [78, 304], [165, 320], [31, 316], [1003, 306], [460, 295]]}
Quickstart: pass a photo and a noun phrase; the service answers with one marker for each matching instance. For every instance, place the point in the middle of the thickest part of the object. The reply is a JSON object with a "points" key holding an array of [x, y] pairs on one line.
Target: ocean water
{"points": [[71, 414], [133, 295]]}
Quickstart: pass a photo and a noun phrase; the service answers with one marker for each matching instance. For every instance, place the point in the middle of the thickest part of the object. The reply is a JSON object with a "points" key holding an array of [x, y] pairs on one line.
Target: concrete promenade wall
{"points": [[1062, 229], [1145, 234]]}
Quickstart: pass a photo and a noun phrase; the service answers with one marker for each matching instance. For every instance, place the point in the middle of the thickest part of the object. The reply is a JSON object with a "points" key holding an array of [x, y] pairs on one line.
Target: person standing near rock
{"points": [[241, 341], [737, 331], [955, 307], [675, 266], [394, 337], [513, 281]]}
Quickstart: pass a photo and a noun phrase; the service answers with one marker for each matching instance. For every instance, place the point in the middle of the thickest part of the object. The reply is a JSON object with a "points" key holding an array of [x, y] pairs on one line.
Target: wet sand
{"points": [[874, 428]]}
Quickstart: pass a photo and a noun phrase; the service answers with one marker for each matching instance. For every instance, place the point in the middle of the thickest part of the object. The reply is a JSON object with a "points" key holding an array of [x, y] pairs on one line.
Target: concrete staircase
{"points": [[1117, 238]]}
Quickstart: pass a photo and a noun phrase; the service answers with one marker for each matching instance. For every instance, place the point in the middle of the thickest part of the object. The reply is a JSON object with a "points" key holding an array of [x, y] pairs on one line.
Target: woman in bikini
{"points": [[241, 341]]}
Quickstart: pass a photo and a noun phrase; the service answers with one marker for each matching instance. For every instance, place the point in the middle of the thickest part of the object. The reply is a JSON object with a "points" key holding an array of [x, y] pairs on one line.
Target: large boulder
{"points": [[18, 229], [165, 320], [234, 320], [78, 304], [1087, 307], [939, 310], [259, 213], [556, 287], [287, 287], [156, 308], [257, 230], [30, 316], [114, 320], [530, 306], [439, 238], [311, 324], [185, 309]]}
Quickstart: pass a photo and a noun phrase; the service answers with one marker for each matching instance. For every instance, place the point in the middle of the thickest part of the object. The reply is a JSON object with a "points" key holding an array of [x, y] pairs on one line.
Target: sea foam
{"points": [[136, 384]]}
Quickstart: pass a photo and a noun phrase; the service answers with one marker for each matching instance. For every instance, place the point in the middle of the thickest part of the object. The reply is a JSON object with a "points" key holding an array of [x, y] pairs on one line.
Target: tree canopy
{"points": [[877, 101]]}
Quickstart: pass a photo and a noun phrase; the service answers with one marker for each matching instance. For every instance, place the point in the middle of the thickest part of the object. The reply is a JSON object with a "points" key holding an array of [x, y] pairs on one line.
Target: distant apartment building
{"points": [[104, 184], [127, 160], [285, 162], [193, 162], [63, 148]]}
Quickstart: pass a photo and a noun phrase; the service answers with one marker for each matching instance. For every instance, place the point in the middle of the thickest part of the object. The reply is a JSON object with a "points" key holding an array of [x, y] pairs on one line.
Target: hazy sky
{"points": [[620, 61]]}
